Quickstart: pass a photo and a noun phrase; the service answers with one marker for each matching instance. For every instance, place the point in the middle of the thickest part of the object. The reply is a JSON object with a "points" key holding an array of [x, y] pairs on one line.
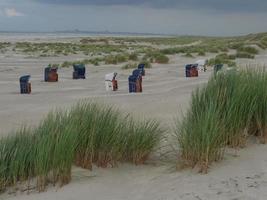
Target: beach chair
{"points": [[111, 82], [139, 83], [25, 85], [50, 74], [135, 81], [217, 68], [78, 71], [132, 83], [191, 70]]}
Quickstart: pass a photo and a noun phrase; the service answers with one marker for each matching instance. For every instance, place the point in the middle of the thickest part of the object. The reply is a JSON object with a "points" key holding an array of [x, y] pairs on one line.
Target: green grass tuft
{"points": [[87, 134], [223, 113]]}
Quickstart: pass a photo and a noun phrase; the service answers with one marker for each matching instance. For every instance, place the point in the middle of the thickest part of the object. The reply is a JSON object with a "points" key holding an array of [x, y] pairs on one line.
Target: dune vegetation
{"points": [[133, 65], [223, 113], [88, 134], [113, 50]]}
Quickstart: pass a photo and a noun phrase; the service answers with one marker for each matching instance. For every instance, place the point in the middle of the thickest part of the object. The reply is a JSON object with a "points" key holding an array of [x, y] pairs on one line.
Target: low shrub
{"points": [[111, 60], [161, 58], [223, 59], [121, 58], [133, 57], [53, 65], [201, 53], [115, 59], [156, 56], [189, 55], [244, 55], [130, 66], [147, 64], [248, 49], [66, 64]]}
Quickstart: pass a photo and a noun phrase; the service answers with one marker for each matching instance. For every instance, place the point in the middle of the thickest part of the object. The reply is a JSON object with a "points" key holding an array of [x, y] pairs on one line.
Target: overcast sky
{"points": [[191, 17]]}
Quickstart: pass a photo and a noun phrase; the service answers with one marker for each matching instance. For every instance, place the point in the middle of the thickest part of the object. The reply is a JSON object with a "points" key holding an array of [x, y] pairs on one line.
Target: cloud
{"points": [[190, 17], [12, 12], [216, 5]]}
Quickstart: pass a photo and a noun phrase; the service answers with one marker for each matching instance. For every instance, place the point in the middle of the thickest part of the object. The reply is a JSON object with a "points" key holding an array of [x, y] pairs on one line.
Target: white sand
{"points": [[242, 175], [240, 178]]}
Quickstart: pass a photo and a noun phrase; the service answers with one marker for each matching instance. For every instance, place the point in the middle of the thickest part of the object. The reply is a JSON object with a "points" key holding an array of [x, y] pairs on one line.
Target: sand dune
{"points": [[242, 175]]}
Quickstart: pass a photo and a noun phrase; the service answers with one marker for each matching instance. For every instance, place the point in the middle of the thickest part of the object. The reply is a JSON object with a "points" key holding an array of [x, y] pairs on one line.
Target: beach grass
{"points": [[88, 134], [223, 113]]}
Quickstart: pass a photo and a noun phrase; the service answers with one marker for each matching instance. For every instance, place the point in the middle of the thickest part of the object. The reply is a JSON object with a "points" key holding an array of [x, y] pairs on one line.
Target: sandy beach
{"points": [[242, 175]]}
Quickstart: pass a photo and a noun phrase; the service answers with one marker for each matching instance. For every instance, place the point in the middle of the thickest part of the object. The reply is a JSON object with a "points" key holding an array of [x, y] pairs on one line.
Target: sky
{"points": [[181, 17]]}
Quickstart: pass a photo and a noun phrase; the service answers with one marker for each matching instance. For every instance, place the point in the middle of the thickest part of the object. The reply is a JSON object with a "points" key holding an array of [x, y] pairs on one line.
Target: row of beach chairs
{"points": [[135, 80], [79, 71], [51, 75]]}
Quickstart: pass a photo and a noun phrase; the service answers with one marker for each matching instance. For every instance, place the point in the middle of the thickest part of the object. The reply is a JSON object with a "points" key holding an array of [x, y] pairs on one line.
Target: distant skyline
{"points": [[175, 17]]}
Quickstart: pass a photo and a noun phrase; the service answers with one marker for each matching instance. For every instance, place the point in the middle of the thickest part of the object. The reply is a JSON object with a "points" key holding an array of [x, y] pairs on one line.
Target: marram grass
{"points": [[16, 158], [88, 134], [223, 113]]}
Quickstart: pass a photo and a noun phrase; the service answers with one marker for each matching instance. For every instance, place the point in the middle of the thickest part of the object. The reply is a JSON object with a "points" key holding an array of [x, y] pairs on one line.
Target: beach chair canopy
{"points": [[141, 66], [25, 79], [137, 72], [53, 69], [49, 69], [77, 67], [132, 78], [190, 66], [110, 76]]}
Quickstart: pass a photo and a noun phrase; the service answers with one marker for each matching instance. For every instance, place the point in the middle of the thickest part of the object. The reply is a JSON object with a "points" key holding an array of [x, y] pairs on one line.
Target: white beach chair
{"points": [[109, 81]]}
